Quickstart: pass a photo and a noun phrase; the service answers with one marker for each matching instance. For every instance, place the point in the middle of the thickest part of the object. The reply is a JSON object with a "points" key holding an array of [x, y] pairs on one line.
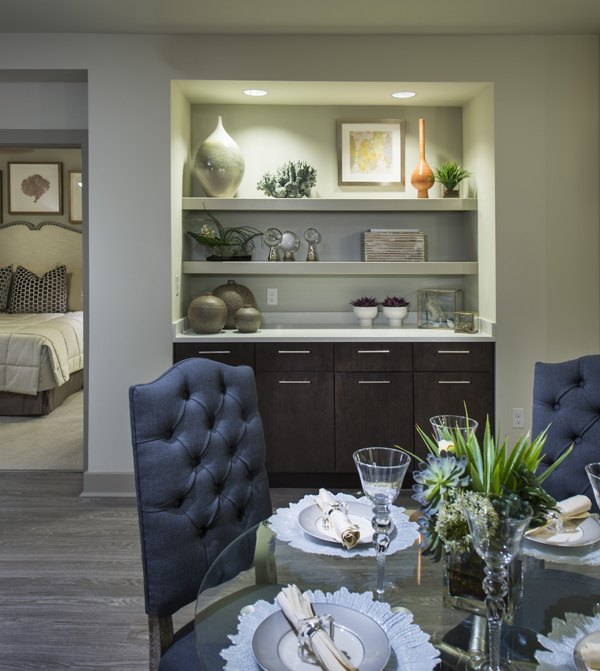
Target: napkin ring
{"points": [[307, 628], [338, 506]]}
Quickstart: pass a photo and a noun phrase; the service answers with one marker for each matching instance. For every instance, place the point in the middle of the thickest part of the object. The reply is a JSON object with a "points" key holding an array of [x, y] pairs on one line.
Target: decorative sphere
{"points": [[248, 319], [207, 314]]}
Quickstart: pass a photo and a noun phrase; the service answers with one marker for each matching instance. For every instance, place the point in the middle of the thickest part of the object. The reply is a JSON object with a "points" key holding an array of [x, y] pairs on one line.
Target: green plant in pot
{"points": [[225, 244], [450, 174]]}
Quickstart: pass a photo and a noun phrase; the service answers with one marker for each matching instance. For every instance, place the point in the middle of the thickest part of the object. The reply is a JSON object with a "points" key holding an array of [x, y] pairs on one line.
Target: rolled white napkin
{"points": [[590, 653], [572, 509], [340, 525], [296, 606]]}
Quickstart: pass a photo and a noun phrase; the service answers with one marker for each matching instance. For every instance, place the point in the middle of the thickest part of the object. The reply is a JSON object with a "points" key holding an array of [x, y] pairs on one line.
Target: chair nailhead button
{"points": [[577, 440], [168, 434], [557, 406]]}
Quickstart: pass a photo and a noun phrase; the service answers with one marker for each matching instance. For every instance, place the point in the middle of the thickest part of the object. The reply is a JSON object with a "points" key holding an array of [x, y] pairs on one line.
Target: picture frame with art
{"points": [[75, 197], [371, 153], [35, 188]]}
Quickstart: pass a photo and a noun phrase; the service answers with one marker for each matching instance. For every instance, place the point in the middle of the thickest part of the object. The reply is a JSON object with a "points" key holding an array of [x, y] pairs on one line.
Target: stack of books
{"points": [[384, 244]]}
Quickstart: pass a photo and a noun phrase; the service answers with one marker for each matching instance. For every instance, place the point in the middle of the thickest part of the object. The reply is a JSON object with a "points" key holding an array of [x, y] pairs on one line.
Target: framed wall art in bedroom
{"points": [[35, 188]]}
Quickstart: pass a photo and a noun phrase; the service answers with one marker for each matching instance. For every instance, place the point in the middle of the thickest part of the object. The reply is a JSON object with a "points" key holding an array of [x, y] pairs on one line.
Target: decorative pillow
{"points": [[31, 293], [5, 278]]}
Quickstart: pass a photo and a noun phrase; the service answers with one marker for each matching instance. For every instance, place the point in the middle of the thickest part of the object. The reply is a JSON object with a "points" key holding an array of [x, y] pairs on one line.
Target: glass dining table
{"points": [[255, 567]]}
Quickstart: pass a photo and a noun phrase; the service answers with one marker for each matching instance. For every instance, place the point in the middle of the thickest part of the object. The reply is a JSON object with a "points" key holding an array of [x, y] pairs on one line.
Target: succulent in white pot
{"points": [[366, 309], [395, 309]]}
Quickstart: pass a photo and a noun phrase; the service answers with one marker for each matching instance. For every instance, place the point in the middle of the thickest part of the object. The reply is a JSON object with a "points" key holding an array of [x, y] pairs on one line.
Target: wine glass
{"points": [[497, 535], [381, 471], [593, 473], [444, 426]]}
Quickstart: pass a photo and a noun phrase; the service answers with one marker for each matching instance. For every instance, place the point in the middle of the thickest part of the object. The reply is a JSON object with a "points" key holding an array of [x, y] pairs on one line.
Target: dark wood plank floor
{"points": [[71, 590]]}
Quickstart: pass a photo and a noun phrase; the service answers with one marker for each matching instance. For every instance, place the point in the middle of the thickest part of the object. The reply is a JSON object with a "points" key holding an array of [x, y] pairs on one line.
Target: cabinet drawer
{"points": [[235, 354], [453, 356], [352, 357], [294, 356]]}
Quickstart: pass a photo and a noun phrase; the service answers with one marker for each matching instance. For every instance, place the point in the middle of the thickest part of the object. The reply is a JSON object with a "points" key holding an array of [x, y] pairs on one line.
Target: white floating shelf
{"points": [[331, 204], [328, 268]]}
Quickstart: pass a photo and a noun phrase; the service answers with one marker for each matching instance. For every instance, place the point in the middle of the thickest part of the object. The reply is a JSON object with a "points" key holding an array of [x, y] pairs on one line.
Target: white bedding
{"points": [[28, 342]]}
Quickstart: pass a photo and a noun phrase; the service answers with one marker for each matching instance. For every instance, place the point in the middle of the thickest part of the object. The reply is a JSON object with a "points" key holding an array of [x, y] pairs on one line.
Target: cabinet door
{"points": [[297, 414], [446, 394], [371, 410], [372, 357], [235, 354]]}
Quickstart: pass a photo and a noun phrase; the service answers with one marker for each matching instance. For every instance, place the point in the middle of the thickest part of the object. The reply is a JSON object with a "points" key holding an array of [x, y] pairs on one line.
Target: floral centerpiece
{"points": [[460, 473]]}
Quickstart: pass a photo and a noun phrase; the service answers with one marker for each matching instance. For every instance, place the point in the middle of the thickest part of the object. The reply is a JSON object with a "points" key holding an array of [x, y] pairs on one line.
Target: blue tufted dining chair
{"points": [[566, 396], [199, 463]]}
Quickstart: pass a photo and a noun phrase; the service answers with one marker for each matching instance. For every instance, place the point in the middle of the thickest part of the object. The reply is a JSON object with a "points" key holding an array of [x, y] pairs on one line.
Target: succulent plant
{"points": [[395, 302], [364, 302]]}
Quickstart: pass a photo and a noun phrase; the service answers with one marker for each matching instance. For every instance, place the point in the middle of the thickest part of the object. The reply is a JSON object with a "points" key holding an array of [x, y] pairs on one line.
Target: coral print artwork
{"points": [[35, 188]]}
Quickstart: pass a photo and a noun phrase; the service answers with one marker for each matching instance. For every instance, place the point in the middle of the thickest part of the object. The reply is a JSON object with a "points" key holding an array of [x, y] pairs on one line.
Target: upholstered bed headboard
{"points": [[43, 246]]}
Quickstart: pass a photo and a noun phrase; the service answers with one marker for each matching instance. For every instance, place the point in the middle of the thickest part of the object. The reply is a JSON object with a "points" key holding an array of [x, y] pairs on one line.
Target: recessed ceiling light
{"points": [[256, 93], [404, 94]]}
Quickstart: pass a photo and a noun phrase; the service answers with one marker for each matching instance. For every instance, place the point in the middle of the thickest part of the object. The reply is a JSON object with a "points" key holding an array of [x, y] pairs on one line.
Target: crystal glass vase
{"points": [[381, 471], [497, 532]]}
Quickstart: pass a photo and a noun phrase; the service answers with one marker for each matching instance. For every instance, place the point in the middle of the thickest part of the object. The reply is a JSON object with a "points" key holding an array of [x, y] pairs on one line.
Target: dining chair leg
{"points": [[160, 630]]}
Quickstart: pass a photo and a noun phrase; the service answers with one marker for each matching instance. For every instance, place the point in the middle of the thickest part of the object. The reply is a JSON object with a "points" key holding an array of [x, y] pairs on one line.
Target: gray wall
{"points": [[546, 199]]}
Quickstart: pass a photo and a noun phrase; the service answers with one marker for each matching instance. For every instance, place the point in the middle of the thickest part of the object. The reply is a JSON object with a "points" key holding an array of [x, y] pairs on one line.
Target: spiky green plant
{"points": [[490, 469], [214, 234], [450, 174]]}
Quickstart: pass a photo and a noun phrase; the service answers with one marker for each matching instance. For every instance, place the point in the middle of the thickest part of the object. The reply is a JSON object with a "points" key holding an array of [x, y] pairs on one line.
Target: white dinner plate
{"points": [[311, 521], [585, 532], [275, 644], [579, 661]]}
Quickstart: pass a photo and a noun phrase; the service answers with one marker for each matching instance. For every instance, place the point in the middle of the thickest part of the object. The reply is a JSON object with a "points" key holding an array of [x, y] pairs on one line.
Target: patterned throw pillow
{"points": [[31, 293], [5, 278]]}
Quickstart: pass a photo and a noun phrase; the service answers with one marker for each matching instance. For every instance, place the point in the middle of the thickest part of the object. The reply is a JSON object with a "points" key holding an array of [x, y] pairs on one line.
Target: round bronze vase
{"points": [[248, 319], [235, 296], [207, 314]]}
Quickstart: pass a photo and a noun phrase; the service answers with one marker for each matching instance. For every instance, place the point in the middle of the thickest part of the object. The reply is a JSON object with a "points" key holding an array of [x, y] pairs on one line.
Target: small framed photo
{"points": [[371, 153], [75, 197], [35, 188], [436, 308]]}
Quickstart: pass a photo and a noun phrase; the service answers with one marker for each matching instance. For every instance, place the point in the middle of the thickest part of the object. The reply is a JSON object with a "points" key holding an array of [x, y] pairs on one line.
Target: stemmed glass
{"points": [[444, 426], [381, 471], [497, 536], [593, 473]]}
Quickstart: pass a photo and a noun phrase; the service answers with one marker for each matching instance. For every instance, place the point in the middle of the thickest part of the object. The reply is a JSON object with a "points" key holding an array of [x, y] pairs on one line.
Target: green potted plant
{"points": [[460, 473], [450, 174], [226, 244]]}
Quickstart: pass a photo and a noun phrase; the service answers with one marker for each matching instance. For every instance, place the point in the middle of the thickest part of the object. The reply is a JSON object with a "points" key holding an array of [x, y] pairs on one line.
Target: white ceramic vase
{"points": [[365, 315], [219, 165], [395, 314]]}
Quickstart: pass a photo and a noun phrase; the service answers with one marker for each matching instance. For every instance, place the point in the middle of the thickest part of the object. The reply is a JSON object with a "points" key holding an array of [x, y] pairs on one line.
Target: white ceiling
{"points": [[301, 16]]}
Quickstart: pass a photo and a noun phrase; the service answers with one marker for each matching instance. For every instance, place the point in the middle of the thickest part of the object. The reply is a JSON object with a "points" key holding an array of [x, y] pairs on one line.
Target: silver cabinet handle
{"points": [[374, 382], [454, 351], [373, 351], [454, 381], [294, 381], [293, 351], [214, 351]]}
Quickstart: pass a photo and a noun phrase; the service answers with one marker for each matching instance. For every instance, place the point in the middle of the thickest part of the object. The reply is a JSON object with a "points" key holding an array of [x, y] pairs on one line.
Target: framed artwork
{"points": [[371, 153], [75, 197], [35, 188]]}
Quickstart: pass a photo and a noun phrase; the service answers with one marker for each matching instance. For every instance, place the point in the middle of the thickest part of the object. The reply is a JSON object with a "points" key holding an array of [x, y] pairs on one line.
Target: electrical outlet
{"points": [[271, 296], [518, 418]]}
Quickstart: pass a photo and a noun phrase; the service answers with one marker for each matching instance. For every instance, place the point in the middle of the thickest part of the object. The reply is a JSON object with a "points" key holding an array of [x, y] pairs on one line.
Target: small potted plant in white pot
{"points": [[395, 308], [450, 174], [365, 309]]}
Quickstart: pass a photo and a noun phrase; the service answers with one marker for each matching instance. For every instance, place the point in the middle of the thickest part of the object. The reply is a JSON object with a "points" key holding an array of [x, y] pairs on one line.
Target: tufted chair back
{"points": [[199, 461], [566, 395]]}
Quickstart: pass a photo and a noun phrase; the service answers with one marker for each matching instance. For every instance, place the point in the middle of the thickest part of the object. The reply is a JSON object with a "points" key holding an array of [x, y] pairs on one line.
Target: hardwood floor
{"points": [[71, 584]]}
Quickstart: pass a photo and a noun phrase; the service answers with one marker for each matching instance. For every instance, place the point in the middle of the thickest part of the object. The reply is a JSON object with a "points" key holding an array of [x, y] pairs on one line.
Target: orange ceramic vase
{"points": [[422, 177]]}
